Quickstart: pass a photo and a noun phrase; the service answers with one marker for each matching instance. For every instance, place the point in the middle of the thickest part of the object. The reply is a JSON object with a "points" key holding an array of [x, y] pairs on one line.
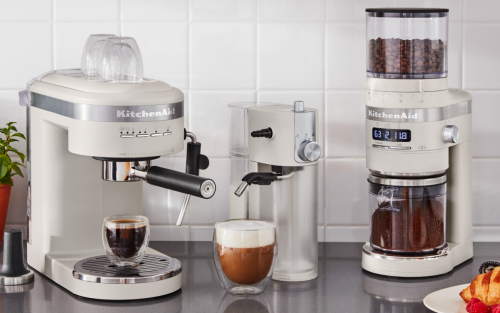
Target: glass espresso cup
{"points": [[245, 254], [125, 238]]}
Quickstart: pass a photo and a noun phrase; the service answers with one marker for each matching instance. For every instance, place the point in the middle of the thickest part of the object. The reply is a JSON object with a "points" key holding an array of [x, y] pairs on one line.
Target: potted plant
{"points": [[8, 169]]}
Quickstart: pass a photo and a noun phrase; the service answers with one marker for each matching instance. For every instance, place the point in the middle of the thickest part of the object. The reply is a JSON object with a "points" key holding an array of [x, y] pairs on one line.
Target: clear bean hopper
{"points": [[407, 43]]}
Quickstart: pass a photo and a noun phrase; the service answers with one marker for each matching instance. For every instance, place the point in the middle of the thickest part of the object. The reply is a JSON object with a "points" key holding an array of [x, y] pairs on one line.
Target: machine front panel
{"points": [[103, 113]]}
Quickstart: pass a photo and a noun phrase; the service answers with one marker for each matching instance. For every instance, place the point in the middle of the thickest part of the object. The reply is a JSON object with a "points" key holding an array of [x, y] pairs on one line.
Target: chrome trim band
{"points": [[425, 174], [18, 280], [368, 250], [407, 182], [105, 113], [127, 274], [396, 115]]}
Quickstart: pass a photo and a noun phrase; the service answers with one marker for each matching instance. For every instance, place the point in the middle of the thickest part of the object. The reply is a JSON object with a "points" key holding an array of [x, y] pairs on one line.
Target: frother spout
{"points": [[241, 189], [264, 178], [195, 161]]}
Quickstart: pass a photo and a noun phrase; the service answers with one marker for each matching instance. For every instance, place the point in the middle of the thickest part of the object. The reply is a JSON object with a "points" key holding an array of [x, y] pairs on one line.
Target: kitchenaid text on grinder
{"points": [[403, 115]]}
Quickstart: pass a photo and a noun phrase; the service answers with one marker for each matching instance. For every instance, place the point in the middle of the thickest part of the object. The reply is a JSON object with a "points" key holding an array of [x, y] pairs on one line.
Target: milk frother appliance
{"points": [[418, 147], [274, 177], [92, 139]]}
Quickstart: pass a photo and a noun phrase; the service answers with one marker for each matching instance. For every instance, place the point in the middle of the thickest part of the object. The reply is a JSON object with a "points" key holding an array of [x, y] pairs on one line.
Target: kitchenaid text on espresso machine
{"points": [[274, 149], [418, 147], [103, 121]]}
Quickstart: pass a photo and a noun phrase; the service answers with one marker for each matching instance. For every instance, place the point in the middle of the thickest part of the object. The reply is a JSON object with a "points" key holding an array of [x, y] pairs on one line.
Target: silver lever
{"points": [[185, 202]]}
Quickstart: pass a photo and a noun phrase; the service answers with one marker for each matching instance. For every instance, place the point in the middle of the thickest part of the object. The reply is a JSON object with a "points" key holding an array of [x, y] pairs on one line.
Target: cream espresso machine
{"points": [[274, 149], [92, 136], [418, 147]]}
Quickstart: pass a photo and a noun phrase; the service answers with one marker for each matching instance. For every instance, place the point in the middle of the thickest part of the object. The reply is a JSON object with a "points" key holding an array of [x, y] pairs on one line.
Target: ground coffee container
{"points": [[408, 215]]}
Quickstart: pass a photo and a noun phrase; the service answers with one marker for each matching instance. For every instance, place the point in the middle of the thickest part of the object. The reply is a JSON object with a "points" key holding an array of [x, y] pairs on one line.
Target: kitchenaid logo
{"points": [[398, 116], [126, 113]]}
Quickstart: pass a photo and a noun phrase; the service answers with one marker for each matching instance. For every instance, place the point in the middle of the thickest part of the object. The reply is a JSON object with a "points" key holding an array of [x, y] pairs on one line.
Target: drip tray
{"points": [[99, 269]]}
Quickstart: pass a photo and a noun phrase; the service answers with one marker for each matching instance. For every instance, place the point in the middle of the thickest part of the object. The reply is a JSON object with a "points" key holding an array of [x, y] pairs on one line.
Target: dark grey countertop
{"points": [[342, 286]]}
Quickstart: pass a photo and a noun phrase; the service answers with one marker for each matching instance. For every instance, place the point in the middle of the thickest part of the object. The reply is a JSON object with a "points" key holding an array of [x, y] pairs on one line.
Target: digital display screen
{"points": [[394, 135]]}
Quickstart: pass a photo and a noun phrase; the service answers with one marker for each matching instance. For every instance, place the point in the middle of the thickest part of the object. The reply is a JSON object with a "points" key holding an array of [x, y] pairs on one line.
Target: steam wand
{"points": [[261, 178], [194, 162]]}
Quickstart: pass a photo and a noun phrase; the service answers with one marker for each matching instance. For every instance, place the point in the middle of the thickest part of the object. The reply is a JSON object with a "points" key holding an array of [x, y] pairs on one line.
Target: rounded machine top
{"points": [[71, 86]]}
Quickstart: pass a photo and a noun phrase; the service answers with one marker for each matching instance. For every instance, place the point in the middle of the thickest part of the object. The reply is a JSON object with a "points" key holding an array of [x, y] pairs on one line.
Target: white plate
{"points": [[446, 300]]}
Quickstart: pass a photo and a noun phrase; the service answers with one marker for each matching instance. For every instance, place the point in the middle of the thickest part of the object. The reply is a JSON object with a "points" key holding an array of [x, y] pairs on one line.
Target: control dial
{"points": [[450, 134], [309, 151]]}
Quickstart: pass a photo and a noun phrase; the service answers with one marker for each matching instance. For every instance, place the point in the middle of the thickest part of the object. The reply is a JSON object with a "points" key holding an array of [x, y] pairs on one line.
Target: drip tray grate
{"points": [[99, 269]]}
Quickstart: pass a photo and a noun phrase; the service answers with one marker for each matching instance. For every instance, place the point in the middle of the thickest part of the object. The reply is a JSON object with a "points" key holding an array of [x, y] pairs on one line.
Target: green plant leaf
{"points": [[19, 135], [4, 131], [19, 164], [13, 128], [7, 181], [10, 123], [4, 167], [21, 155], [16, 169], [14, 140]]}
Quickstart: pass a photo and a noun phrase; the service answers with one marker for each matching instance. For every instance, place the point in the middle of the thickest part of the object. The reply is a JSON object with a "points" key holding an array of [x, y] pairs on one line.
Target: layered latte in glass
{"points": [[244, 254]]}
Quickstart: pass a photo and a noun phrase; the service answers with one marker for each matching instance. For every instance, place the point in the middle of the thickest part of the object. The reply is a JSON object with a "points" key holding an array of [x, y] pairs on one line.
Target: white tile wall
{"points": [[88, 10], [69, 56], [225, 51], [235, 10], [286, 10], [481, 46], [27, 10], [164, 59], [154, 10], [291, 56], [222, 55]]}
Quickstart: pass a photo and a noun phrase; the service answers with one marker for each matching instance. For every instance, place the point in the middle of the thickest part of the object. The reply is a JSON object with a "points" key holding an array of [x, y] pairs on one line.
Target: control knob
{"points": [[309, 151], [450, 134]]}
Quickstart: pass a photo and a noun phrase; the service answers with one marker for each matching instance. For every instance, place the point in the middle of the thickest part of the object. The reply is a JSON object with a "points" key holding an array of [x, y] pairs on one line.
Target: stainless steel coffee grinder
{"points": [[418, 147], [274, 176]]}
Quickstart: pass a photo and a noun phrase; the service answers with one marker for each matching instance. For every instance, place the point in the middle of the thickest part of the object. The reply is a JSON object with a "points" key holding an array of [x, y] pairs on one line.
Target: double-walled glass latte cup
{"points": [[125, 238], [245, 254]]}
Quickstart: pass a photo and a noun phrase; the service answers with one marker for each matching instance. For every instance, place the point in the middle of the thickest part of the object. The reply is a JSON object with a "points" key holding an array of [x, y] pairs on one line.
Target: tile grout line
{"points": [[189, 92], [276, 90], [462, 63], [257, 48], [53, 34], [120, 17], [325, 52]]}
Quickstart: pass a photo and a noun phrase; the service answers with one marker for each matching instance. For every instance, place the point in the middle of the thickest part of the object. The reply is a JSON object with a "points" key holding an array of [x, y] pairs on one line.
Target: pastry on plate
{"points": [[485, 287]]}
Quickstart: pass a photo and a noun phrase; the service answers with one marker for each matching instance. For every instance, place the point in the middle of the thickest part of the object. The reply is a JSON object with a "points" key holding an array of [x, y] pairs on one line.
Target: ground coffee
{"points": [[414, 225]]}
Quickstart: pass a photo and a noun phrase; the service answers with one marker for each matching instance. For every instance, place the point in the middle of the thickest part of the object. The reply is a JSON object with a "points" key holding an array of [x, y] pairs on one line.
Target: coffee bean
{"points": [[415, 56]]}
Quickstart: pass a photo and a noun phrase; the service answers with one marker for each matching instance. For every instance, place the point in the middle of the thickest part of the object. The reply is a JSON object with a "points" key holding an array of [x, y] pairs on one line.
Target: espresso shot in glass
{"points": [[125, 239], [244, 255]]}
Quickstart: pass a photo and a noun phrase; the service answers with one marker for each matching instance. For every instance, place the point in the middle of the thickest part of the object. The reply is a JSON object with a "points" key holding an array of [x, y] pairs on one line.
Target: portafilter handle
{"points": [[177, 181]]}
